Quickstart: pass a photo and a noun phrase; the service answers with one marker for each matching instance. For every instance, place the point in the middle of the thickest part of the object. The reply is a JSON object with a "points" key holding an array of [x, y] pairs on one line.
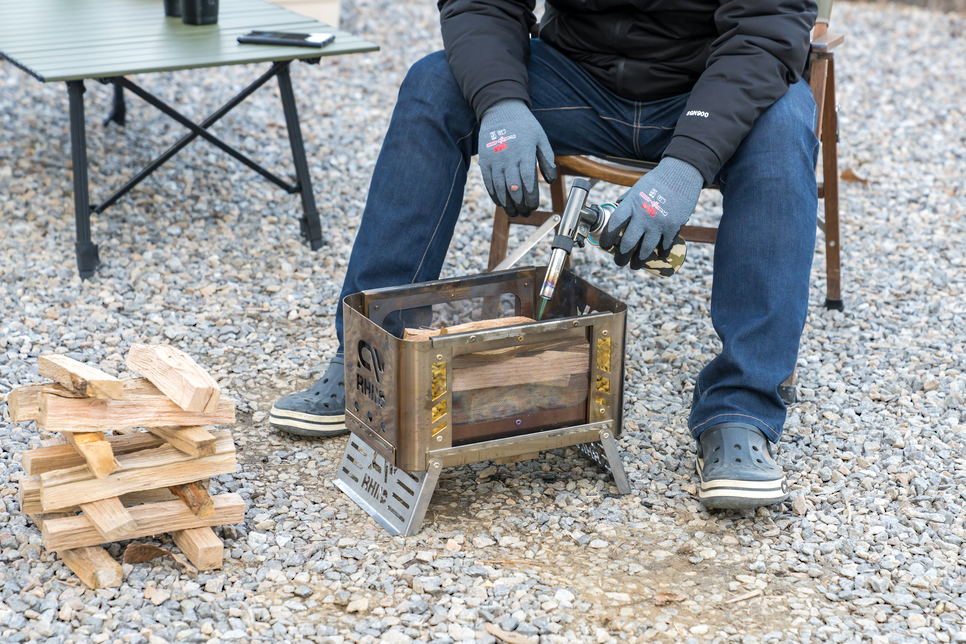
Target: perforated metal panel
{"points": [[595, 452], [395, 498]]}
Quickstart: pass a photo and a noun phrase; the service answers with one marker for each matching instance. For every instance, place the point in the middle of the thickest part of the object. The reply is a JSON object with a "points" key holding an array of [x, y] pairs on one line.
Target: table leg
{"points": [[119, 111], [87, 256], [311, 225]]}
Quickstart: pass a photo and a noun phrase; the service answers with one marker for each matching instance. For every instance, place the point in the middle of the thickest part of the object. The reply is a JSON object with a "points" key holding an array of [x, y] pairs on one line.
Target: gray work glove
{"points": [[511, 144], [653, 212]]}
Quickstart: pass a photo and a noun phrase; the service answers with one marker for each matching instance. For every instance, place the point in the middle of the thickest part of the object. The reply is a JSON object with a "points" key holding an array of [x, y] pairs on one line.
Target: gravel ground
{"points": [[206, 256]]}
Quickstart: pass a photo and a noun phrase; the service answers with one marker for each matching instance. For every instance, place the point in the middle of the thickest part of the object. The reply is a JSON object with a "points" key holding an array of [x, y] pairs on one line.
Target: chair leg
{"points": [[819, 85], [500, 238], [830, 166], [787, 391], [558, 195]]}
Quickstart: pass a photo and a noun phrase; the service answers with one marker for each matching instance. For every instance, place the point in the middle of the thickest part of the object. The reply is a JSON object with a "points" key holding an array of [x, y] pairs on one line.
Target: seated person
{"points": [[713, 89]]}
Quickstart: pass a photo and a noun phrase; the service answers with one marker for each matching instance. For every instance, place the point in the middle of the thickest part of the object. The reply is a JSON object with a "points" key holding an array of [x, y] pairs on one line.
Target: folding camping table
{"points": [[108, 40]]}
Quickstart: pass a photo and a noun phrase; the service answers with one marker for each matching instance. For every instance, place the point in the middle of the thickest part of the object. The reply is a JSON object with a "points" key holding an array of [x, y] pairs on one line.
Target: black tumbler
{"points": [[199, 12], [172, 8]]}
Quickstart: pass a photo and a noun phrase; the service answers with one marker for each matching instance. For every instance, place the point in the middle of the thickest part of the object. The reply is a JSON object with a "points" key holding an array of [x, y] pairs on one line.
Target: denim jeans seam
{"points": [[637, 122], [638, 127], [442, 213], [735, 414]]}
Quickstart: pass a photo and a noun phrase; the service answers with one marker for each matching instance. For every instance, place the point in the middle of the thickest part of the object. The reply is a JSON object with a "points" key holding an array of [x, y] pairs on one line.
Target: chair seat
{"points": [[617, 170]]}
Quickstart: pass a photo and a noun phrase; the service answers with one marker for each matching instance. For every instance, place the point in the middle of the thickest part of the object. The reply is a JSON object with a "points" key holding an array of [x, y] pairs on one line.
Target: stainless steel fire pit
{"points": [[415, 406]]}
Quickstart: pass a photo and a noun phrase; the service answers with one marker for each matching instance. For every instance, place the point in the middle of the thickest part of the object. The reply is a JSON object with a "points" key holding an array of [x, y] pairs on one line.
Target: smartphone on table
{"points": [[286, 38]]}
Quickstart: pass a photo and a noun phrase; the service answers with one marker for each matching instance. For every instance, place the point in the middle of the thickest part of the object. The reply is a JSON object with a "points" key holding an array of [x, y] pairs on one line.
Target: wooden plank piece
{"points": [[29, 497], [94, 566], [524, 365], [24, 402], [39, 519], [145, 470], [110, 518], [151, 518], [143, 406], [197, 441], [827, 42], [63, 455], [201, 546], [177, 375], [479, 325], [96, 450], [195, 496], [79, 377]]}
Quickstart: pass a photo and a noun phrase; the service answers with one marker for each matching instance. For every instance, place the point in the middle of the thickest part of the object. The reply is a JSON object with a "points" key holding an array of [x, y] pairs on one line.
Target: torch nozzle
{"points": [[557, 259], [569, 232]]}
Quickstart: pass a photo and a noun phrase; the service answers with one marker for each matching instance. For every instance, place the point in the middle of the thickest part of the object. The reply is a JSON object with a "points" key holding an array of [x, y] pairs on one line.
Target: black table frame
{"points": [[88, 256]]}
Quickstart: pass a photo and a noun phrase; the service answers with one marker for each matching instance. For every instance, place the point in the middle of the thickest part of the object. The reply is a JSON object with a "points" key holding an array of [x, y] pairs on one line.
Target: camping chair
{"points": [[627, 172]]}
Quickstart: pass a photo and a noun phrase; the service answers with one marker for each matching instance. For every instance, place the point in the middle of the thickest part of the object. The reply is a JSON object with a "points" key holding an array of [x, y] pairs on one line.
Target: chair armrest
{"points": [[610, 170], [827, 42]]}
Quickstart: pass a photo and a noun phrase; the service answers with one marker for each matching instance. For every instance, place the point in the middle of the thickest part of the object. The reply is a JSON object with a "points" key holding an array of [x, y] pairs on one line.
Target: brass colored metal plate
{"points": [[603, 354], [439, 379]]}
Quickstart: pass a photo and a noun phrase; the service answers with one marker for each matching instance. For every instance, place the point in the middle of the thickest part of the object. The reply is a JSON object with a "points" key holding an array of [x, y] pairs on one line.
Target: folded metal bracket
{"points": [[528, 245]]}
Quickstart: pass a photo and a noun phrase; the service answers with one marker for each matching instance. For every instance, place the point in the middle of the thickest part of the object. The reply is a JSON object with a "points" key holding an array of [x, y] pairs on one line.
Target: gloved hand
{"points": [[653, 212], [511, 144]]}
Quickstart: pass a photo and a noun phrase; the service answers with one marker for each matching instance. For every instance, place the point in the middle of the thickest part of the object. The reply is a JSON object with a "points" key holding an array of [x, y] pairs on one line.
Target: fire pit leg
{"points": [[605, 454], [395, 498]]}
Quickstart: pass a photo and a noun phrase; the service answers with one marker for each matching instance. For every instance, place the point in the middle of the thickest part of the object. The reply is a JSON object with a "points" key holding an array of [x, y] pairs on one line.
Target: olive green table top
{"points": [[61, 40]]}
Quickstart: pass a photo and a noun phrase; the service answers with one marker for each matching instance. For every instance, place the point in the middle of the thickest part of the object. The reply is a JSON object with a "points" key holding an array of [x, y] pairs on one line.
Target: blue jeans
{"points": [[765, 242]]}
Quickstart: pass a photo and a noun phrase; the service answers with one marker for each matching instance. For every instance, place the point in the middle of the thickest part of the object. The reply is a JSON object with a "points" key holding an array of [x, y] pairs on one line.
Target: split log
{"points": [[79, 377], [29, 497], [62, 455], [93, 566], [492, 403], [525, 365], [479, 325], [96, 450], [197, 441], [151, 518], [177, 375], [161, 467], [110, 518], [195, 496], [201, 546], [24, 402], [39, 519], [143, 406]]}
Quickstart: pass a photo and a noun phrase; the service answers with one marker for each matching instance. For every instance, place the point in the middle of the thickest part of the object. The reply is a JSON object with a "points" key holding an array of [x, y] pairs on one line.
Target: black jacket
{"points": [[736, 57]]}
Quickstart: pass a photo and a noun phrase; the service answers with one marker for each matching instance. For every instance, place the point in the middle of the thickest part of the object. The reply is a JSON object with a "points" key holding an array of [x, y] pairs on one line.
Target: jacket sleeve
{"points": [[761, 50], [487, 43]]}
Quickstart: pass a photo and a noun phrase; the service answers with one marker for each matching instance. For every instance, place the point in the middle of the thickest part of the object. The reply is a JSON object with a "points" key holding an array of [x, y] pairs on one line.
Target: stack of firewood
{"points": [[148, 476]]}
